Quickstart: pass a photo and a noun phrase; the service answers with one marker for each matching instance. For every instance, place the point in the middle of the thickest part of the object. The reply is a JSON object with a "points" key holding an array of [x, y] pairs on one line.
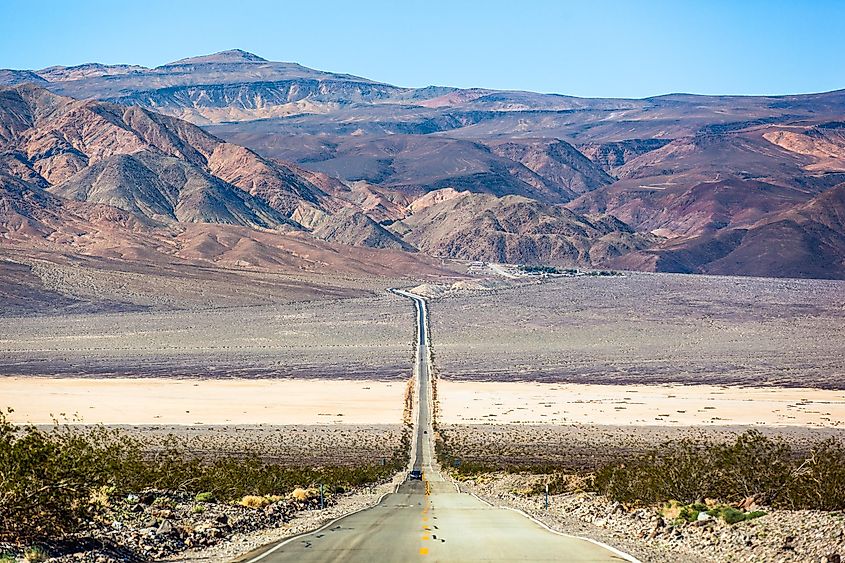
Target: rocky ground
{"points": [[780, 535], [167, 525], [304, 521]]}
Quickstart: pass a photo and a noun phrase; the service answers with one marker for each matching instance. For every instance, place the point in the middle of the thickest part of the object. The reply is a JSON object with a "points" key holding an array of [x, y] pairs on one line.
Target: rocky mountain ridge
{"points": [[687, 172]]}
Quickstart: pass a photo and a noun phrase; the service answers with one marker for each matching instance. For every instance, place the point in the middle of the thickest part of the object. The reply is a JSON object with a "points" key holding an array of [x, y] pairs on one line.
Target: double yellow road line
{"points": [[426, 528]]}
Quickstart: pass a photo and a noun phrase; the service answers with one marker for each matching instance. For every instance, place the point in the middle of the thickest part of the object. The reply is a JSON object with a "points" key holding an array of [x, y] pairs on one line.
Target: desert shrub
{"points": [[46, 481], [52, 483], [677, 471], [253, 501], [819, 481], [206, 496], [752, 466], [35, 554], [732, 515], [303, 495]]}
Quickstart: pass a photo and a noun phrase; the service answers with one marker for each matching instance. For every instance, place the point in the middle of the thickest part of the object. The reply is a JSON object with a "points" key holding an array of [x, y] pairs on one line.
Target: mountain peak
{"points": [[230, 56]]}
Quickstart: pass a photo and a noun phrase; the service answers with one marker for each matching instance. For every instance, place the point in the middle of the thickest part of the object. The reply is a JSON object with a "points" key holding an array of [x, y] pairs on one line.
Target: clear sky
{"points": [[586, 48]]}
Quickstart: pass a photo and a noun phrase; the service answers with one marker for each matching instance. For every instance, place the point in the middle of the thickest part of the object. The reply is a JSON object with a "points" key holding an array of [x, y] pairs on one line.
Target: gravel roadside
{"points": [[781, 535], [240, 544]]}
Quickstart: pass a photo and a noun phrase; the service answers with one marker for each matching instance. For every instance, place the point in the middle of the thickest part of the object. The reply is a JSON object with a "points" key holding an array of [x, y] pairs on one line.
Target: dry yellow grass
{"points": [[253, 501], [303, 495]]}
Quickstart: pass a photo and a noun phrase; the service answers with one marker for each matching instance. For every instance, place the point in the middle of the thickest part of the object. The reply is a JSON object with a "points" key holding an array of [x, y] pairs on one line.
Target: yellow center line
{"points": [[426, 538], [423, 551]]}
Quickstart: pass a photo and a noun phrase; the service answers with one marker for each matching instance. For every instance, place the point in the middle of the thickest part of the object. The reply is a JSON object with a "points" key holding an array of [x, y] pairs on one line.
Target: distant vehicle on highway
{"points": [[415, 475]]}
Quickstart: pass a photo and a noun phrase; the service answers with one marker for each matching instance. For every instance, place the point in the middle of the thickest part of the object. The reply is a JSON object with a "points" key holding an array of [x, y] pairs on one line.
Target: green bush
{"points": [[528, 269], [754, 466], [729, 514], [35, 554], [733, 515], [689, 471], [205, 497], [686, 513], [53, 482]]}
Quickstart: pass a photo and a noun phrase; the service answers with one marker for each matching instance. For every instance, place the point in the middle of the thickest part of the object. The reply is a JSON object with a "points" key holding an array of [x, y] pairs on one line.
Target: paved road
{"points": [[430, 520]]}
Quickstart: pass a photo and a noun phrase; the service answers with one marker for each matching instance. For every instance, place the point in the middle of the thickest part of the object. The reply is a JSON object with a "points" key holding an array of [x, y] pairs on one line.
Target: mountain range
{"points": [[744, 185]]}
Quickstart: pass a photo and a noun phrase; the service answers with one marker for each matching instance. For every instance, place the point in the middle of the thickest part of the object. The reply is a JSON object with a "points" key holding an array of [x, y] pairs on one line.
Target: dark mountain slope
{"points": [[352, 227], [515, 229], [807, 241], [59, 137], [164, 188]]}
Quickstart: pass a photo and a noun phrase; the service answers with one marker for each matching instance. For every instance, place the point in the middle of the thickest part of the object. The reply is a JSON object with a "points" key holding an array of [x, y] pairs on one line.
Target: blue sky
{"points": [[586, 48]]}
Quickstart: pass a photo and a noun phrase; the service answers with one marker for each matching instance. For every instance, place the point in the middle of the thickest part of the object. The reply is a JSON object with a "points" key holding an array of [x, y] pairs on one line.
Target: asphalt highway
{"points": [[430, 520]]}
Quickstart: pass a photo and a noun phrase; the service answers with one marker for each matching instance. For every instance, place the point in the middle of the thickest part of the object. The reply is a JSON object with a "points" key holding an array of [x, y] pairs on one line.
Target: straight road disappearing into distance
{"points": [[429, 519]]}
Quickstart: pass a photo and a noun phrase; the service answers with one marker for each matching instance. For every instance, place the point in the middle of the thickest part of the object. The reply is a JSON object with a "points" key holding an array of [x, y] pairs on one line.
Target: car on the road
{"points": [[415, 475]]}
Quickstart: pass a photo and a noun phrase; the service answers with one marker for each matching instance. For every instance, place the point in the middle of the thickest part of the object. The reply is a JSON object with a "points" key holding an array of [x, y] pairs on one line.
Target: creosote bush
{"points": [[754, 466], [689, 471], [690, 512], [52, 482], [205, 496]]}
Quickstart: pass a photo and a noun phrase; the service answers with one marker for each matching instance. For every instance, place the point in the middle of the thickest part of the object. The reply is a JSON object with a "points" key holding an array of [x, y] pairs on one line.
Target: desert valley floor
{"points": [[570, 372], [650, 350]]}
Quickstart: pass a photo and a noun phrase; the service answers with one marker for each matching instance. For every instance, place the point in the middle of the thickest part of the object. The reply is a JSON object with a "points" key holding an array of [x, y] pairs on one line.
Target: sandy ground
{"points": [[463, 402], [175, 401]]}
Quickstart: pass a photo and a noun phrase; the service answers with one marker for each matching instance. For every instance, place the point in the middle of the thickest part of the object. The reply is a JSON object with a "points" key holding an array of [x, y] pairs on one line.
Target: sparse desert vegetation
{"points": [[583, 448], [365, 338], [748, 467], [71, 482], [751, 469], [747, 495], [646, 329], [290, 445]]}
